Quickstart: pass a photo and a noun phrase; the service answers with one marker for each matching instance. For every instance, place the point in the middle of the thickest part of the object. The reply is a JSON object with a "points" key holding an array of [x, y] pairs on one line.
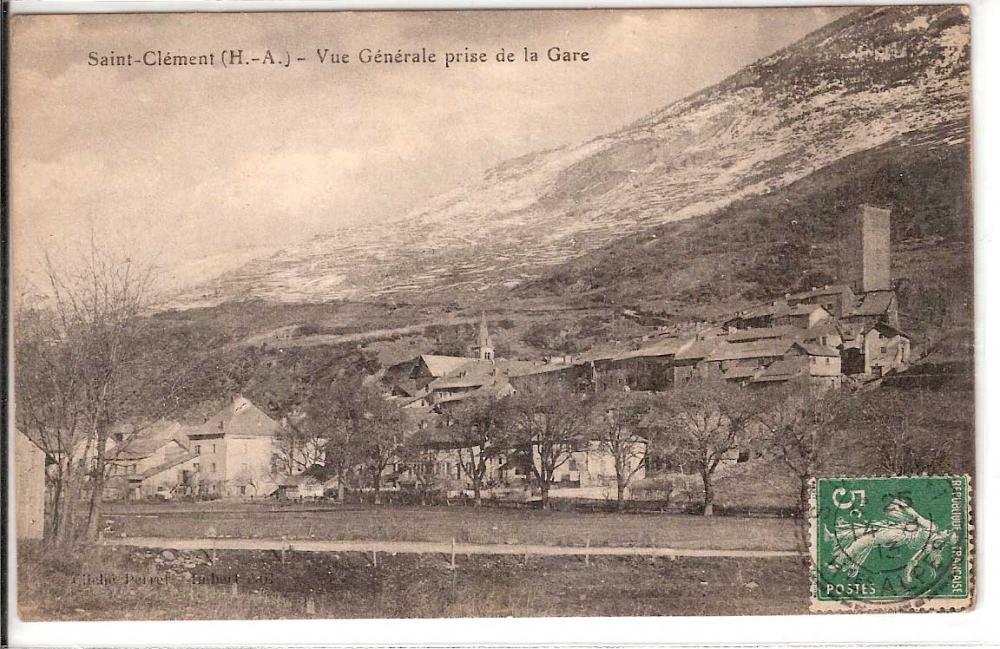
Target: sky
{"points": [[198, 169]]}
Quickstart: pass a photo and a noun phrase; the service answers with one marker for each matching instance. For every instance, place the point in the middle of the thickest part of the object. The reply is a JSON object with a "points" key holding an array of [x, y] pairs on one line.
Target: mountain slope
{"points": [[761, 247], [875, 77]]}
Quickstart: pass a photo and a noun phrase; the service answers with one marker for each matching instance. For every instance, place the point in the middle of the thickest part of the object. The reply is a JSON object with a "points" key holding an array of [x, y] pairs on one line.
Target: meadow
{"points": [[463, 524], [61, 586]]}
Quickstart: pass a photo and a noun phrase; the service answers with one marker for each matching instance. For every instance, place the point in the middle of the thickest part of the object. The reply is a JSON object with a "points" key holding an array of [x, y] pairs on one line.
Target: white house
{"points": [[235, 452], [154, 462], [592, 465]]}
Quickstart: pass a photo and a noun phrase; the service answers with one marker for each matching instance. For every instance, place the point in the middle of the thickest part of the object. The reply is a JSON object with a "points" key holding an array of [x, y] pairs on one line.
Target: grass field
{"points": [[58, 586], [463, 524]]}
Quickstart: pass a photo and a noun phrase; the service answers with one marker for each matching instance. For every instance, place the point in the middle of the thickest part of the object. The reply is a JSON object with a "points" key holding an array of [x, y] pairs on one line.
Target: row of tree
{"points": [[348, 425], [696, 427]]}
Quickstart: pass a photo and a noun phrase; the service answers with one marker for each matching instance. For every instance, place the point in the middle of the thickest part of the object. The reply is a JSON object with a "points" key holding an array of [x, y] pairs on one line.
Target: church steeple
{"points": [[485, 345]]}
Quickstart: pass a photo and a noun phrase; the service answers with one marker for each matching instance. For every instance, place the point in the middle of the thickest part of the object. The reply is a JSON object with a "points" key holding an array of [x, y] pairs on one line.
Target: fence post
{"points": [[453, 553], [374, 558], [586, 554]]}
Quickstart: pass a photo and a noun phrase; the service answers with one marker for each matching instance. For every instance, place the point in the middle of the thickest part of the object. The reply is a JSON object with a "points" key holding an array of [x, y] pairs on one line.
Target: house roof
{"points": [[885, 326], [407, 401], [834, 289], [459, 382], [499, 386], [448, 397], [596, 355], [240, 418], [530, 368], [764, 333], [781, 370], [697, 349], [668, 347], [408, 388], [822, 328], [776, 309], [874, 303], [164, 466], [140, 445], [444, 365], [815, 349], [803, 309], [740, 373], [296, 480], [756, 349], [761, 310]]}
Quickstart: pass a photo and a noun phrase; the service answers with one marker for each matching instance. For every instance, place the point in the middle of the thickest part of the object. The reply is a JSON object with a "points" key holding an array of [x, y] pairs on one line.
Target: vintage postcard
{"points": [[519, 313]]}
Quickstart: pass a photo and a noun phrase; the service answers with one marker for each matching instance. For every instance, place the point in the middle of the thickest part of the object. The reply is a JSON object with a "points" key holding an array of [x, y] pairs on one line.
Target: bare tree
{"points": [[800, 428], [910, 432], [705, 422], [331, 414], [363, 429], [50, 409], [479, 430], [382, 438], [617, 433], [551, 422], [299, 445], [83, 366]]}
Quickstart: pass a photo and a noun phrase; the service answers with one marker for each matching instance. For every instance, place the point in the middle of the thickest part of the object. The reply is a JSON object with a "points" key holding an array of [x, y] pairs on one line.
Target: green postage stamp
{"points": [[885, 544]]}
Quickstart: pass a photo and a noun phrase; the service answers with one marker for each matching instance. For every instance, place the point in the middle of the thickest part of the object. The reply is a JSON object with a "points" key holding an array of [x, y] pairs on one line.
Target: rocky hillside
{"points": [[877, 78]]}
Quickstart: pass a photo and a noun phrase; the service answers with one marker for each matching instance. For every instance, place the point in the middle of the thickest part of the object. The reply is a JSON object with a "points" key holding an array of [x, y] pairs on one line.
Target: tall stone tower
{"points": [[866, 251], [485, 345]]}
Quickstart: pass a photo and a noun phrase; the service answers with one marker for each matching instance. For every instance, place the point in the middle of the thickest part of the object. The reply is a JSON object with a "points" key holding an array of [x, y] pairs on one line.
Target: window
{"points": [[197, 466], [571, 465], [197, 449], [882, 349], [213, 448], [213, 467]]}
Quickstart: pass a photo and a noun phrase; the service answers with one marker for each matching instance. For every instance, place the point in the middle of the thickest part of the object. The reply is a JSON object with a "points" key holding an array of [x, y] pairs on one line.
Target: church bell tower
{"points": [[485, 345]]}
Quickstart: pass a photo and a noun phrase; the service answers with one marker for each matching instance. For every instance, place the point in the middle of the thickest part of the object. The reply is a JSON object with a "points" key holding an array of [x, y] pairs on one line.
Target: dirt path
{"points": [[427, 547], [310, 340], [272, 337]]}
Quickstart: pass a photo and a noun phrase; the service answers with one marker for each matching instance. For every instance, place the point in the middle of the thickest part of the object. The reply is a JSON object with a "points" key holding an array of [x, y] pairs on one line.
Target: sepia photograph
{"points": [[494, 313]]}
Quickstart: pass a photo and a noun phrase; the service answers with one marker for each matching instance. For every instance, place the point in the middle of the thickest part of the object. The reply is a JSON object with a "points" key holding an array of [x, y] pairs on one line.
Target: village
{"points": [[819, 339]]}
